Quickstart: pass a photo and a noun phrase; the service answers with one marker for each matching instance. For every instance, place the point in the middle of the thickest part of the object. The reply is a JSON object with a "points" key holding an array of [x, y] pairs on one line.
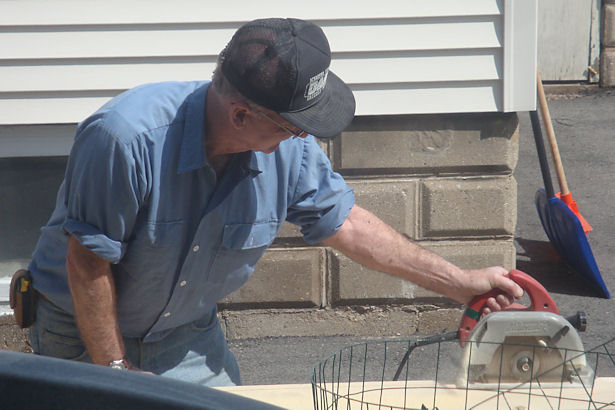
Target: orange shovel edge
{"points": [[572, 204]]}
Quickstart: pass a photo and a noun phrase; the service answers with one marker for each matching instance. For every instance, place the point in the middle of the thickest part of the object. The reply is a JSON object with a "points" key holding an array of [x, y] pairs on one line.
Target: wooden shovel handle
{"points": [[546, 118]]}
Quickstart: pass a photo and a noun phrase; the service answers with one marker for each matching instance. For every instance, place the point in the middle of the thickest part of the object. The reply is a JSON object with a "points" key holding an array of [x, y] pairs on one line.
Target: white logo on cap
{"points": [[316, 85]]}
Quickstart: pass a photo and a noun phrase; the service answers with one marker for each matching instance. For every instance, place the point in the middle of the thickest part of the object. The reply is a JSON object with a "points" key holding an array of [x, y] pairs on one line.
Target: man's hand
{"points": [[138, 370], [480, 281]]}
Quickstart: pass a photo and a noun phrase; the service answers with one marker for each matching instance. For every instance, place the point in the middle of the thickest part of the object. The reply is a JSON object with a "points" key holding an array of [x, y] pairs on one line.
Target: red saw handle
{"points": [[540, 301]]}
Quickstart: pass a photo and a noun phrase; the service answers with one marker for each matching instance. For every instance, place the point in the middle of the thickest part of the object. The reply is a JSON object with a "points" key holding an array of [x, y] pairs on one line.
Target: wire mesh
{"points": [[436, 373]]}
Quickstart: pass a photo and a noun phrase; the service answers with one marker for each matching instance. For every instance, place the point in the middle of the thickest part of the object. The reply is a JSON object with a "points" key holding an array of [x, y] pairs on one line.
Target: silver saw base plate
{"points": [[516, 347]]}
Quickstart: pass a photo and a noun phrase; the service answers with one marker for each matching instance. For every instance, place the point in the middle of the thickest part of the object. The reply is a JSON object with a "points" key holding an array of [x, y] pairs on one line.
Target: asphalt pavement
{"points": [[584, 123]]}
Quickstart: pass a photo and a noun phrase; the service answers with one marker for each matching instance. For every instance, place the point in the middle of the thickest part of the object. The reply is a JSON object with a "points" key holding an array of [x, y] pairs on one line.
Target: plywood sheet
{"points": [[414, 394]]}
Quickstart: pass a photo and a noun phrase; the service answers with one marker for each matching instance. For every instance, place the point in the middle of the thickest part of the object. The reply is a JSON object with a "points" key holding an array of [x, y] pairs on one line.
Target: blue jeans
{"points": [[195, 352]]}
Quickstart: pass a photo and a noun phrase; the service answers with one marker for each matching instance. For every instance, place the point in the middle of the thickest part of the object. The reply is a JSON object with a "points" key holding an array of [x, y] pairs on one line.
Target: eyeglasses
{"points": [[292, 133]]}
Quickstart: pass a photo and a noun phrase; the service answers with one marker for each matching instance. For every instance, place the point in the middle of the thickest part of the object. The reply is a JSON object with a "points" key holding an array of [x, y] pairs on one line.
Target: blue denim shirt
{"points": [[139, 192]]}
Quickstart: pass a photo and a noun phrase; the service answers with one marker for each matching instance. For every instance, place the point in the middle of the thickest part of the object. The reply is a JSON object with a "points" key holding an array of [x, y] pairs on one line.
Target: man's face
{"points": [[269, 130]]}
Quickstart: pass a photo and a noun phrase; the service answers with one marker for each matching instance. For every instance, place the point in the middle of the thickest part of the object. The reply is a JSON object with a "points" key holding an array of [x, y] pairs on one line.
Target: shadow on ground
{"points": [[543, 263]]}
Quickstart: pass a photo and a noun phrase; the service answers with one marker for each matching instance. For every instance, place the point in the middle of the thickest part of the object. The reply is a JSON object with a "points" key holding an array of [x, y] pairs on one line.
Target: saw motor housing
{"points": [[519, 346]]}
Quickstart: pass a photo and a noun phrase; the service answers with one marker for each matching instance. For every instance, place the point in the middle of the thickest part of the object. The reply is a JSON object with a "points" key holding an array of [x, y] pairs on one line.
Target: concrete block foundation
{"points": [[607, 66], [444, 181], [467, 207], [607, 55]]}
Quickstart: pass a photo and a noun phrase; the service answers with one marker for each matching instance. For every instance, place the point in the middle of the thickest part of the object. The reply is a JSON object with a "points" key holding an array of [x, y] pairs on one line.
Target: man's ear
{"points": [[239, 116]]}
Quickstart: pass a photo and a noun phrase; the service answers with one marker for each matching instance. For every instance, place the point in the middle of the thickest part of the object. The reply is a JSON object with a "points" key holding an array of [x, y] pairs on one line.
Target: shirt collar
{"points": [[250, 163], [192, 151]]}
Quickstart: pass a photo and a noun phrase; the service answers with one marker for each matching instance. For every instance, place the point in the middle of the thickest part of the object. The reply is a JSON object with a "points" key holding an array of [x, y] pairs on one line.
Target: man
{"points": [[173, 191]]}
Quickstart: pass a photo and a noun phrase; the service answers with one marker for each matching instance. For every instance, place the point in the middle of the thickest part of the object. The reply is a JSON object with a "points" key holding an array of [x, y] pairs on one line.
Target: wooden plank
{"points": [[288, 396], [66, 12], [414, 394]]}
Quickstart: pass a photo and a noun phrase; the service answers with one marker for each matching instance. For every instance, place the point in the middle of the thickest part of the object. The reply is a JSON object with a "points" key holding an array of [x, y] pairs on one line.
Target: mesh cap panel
{"points": [[260, 63]]}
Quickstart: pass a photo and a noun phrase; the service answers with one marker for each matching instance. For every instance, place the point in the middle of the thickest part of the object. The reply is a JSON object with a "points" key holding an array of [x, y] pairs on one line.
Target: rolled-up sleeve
{"points": [[322, 199], [104, 188]]}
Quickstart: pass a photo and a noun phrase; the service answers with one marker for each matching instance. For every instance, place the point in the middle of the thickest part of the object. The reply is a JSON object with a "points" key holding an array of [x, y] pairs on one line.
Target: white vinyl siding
{"points": [[61, 60], [65, 12]]}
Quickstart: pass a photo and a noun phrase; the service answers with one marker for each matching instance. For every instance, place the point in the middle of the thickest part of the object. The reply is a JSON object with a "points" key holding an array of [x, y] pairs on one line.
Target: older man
{"points": [[173, 191]]}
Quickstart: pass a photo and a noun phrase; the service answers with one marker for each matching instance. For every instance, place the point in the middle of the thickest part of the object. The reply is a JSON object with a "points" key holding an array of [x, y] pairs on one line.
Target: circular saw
{"points": [[522, 344]]}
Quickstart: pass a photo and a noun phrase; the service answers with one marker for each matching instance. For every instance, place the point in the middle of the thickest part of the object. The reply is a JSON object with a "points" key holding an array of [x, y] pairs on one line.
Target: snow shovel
{"points": [[565, 195], [561, 224]]}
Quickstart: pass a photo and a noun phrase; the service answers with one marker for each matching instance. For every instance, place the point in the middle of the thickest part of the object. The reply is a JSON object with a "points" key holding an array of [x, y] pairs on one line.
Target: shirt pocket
{"points": [[242, 246]]}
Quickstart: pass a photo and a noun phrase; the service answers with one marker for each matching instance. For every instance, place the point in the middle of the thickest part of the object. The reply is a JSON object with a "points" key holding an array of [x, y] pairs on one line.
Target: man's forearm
{"points": [[369, 241], [93, 292]]}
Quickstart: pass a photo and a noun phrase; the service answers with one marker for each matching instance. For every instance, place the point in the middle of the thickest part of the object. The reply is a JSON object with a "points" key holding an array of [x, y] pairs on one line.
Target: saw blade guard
{"points": [[520, 347]]}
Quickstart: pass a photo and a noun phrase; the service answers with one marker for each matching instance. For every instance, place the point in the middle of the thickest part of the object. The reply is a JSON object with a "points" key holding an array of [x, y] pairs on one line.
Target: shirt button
{"points": [[196, 248], [183, 283], [167, 314]]}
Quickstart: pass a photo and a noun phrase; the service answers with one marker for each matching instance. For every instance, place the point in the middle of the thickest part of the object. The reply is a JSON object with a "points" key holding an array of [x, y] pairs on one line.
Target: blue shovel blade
{"points": [[569, 240]]}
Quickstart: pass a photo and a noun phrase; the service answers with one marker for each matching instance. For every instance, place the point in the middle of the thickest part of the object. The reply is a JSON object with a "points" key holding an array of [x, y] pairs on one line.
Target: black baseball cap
{"points": [[283, 65]]}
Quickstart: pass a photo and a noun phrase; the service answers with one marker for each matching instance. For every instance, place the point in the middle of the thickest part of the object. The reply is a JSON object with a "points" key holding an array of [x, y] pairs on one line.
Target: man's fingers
{"points": [[504, 300], [518, 290], [510, 287], [493, 304], [500, 302]]}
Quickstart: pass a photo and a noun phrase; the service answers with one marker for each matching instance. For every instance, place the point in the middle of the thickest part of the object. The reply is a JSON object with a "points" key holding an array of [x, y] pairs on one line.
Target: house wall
{"points": [[61, 60], [431, 151]]}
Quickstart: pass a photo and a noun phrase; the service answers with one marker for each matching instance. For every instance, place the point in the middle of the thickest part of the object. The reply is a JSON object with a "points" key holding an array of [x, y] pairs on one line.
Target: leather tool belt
{"points": [[22, 298]]}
